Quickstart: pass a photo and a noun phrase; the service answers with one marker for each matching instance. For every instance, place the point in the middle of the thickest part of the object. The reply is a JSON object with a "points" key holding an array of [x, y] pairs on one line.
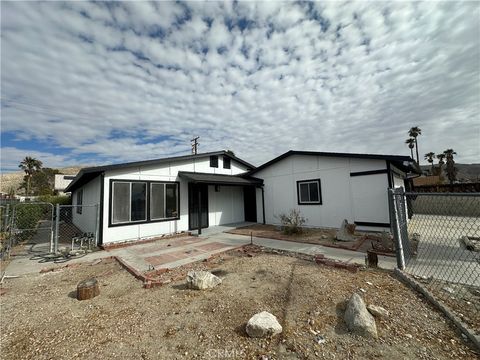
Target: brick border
{"points": [[322, 260], [122, 244], [408, 280]]}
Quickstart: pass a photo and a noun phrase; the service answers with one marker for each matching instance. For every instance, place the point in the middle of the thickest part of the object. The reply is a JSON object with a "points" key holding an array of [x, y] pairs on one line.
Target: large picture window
{"points": [[309, 192], [131, 199]]}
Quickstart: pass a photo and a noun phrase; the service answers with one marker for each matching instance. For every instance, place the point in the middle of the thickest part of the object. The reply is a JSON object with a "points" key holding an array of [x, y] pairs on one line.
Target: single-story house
{"points": [[145, 199]]}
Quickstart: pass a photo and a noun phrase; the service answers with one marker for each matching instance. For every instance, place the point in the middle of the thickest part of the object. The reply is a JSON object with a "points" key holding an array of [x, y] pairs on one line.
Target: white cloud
{"points": [[134, 80]]}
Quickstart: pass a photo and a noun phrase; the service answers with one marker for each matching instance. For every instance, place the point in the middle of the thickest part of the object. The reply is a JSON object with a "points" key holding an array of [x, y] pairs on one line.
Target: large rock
{"points": [[345, 232], [262, 325], [202, 280], [358, 319]]}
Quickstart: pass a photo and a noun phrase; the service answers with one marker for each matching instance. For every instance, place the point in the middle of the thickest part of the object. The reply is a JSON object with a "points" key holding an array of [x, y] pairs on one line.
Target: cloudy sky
{"points": [[94, 83]]}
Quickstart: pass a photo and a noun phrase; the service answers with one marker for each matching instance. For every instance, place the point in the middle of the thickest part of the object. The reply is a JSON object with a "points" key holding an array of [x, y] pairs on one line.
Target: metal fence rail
{"points": [[438, 242]]}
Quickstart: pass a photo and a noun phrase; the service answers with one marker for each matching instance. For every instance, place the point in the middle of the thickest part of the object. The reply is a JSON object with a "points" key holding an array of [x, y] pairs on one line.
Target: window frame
{"points": [[214, 157], [229, 162], [309, 181], [148, 218], [79, 202]]}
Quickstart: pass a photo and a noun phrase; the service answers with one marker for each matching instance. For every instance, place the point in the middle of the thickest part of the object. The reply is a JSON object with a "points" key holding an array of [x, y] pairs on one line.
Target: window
{"points": [[309, 192], [130, 201], [79, 201], [226, 162], [163, 201], [214, 161]]}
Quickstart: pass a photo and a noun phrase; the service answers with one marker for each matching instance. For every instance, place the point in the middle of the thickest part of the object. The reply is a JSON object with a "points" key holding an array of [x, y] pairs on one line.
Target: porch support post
{"points": [[263, 204], [199, 213]]}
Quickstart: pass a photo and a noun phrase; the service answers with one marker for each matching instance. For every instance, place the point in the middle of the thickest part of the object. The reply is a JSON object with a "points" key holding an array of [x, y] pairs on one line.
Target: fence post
{"points": [[57, 226], [397, 232], [7, 212], [97, 223]]}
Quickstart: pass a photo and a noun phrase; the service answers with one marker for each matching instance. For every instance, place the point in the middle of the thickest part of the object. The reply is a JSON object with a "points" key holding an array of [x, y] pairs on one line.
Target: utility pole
{"points": [[195, 145]]}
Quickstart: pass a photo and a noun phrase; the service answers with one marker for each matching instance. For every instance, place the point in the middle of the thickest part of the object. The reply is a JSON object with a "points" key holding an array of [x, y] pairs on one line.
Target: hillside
{"points": [[470, 172], [14, 179]]}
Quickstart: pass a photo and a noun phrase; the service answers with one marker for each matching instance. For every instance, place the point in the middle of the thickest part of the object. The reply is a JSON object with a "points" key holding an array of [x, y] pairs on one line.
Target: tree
{"points": [[411, 144], [441, 162], [429, 157], [414, 132], [451, 169], [29, 165]]}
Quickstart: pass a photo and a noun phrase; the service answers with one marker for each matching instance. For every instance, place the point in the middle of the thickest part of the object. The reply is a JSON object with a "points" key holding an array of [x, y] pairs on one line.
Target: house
{"points": [[330, 187], [61, 183], [145, 199]]}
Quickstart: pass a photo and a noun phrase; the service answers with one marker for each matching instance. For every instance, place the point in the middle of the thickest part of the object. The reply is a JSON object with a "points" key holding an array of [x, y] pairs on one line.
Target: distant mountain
{"points": [[466, 172], [15, 179]]}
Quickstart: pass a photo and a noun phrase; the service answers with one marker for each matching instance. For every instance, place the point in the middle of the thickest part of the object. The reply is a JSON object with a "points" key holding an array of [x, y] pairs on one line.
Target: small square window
{"points": [[226, 162], [214, 161], [309, 192]]}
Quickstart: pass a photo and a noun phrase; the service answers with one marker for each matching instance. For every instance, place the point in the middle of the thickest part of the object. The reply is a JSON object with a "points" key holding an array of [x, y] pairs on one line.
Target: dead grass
{"points": [[41, 319]]}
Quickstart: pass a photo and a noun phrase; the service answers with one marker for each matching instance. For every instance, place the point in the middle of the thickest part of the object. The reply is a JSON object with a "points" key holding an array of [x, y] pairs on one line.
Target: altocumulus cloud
{"points": [[102, 82]]}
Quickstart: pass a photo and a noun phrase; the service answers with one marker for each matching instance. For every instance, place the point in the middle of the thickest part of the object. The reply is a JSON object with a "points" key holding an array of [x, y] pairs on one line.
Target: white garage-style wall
{"points": [[343, 196]]}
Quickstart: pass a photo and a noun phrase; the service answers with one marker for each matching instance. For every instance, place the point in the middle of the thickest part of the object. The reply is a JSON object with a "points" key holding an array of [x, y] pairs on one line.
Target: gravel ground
{"points": [[41, 318]]}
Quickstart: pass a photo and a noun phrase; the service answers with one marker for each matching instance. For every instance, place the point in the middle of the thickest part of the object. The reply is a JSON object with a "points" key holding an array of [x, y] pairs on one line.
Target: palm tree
{"points": [[411, 145], [451, 169], [429, 157], [414, 132], [30, 165], [441, 162]]}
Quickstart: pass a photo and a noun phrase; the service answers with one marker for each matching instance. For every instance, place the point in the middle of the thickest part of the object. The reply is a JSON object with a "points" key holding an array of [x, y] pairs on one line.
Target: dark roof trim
{"points": [[219, 179], [398, 159], [97, 170]]}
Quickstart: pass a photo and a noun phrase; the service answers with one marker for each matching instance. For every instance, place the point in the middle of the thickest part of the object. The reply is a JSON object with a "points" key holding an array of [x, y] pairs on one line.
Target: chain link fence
{"points": [[47, 232], [438, 243]]}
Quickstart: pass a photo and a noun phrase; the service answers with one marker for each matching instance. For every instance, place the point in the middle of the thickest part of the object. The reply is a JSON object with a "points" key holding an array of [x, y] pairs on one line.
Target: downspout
{"points": [[263, 204], [199, 213], [100, 226]]}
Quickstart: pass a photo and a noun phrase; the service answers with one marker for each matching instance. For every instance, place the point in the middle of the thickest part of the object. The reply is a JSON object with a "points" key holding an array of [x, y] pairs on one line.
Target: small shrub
{"points": [[292, 222]]}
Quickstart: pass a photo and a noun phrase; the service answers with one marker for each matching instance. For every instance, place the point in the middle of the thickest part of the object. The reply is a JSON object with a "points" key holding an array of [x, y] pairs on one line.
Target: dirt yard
{"points": [[317, 236], [41, 319]]}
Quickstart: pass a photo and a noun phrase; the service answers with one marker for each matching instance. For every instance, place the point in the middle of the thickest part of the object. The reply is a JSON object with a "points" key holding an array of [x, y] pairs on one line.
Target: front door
{"points": [[250, 203], [194, 206]]}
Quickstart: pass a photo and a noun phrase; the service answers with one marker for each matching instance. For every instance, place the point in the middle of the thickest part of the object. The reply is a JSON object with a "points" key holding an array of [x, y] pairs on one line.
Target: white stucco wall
{"points": [[86, 221], [343, 197], [229, 197]]}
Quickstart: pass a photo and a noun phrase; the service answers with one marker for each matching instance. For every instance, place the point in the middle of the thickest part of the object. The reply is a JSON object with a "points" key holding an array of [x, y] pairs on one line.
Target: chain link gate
{"points": [[437, 238], [32, 223]]}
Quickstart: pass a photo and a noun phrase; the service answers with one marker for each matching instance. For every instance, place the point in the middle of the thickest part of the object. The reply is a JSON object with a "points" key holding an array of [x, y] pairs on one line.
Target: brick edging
{"points": [[321, 259], [118, 245], [464, 328]]}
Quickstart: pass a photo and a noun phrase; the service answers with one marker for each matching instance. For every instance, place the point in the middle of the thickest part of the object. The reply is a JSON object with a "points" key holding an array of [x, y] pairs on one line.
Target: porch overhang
{"points": [[218, 179]]}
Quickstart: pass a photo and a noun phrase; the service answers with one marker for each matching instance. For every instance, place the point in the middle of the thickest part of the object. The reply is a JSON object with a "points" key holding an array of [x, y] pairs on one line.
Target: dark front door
{"points": [[250, 203], [195, 206]]}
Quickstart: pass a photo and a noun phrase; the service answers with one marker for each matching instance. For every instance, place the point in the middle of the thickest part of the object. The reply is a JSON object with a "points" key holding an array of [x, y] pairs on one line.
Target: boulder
{"points": [[345, 232], [202, 280], [263, 325], [358, 319], [377, 311]]}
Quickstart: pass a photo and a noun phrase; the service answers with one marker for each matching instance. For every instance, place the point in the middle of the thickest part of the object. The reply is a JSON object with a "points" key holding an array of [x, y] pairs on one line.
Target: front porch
{"points": [[216, 200]]}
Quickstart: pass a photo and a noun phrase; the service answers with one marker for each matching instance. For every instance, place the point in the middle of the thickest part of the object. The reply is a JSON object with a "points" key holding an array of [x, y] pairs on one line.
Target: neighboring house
{"points": [[330, 187], [150, 198], [164, 196], [61, 182]]}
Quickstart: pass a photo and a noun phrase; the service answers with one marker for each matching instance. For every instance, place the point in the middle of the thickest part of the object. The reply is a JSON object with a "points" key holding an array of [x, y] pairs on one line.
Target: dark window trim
{"points": [[79, 201], [148, 221], [211, 158], [229, 162], [370, 172], [376, 224], [319, 192]]}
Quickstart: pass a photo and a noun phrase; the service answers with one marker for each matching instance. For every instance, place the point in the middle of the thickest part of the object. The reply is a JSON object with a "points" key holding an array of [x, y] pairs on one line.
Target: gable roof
{"points": [[397, 160], [87, 174]]}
